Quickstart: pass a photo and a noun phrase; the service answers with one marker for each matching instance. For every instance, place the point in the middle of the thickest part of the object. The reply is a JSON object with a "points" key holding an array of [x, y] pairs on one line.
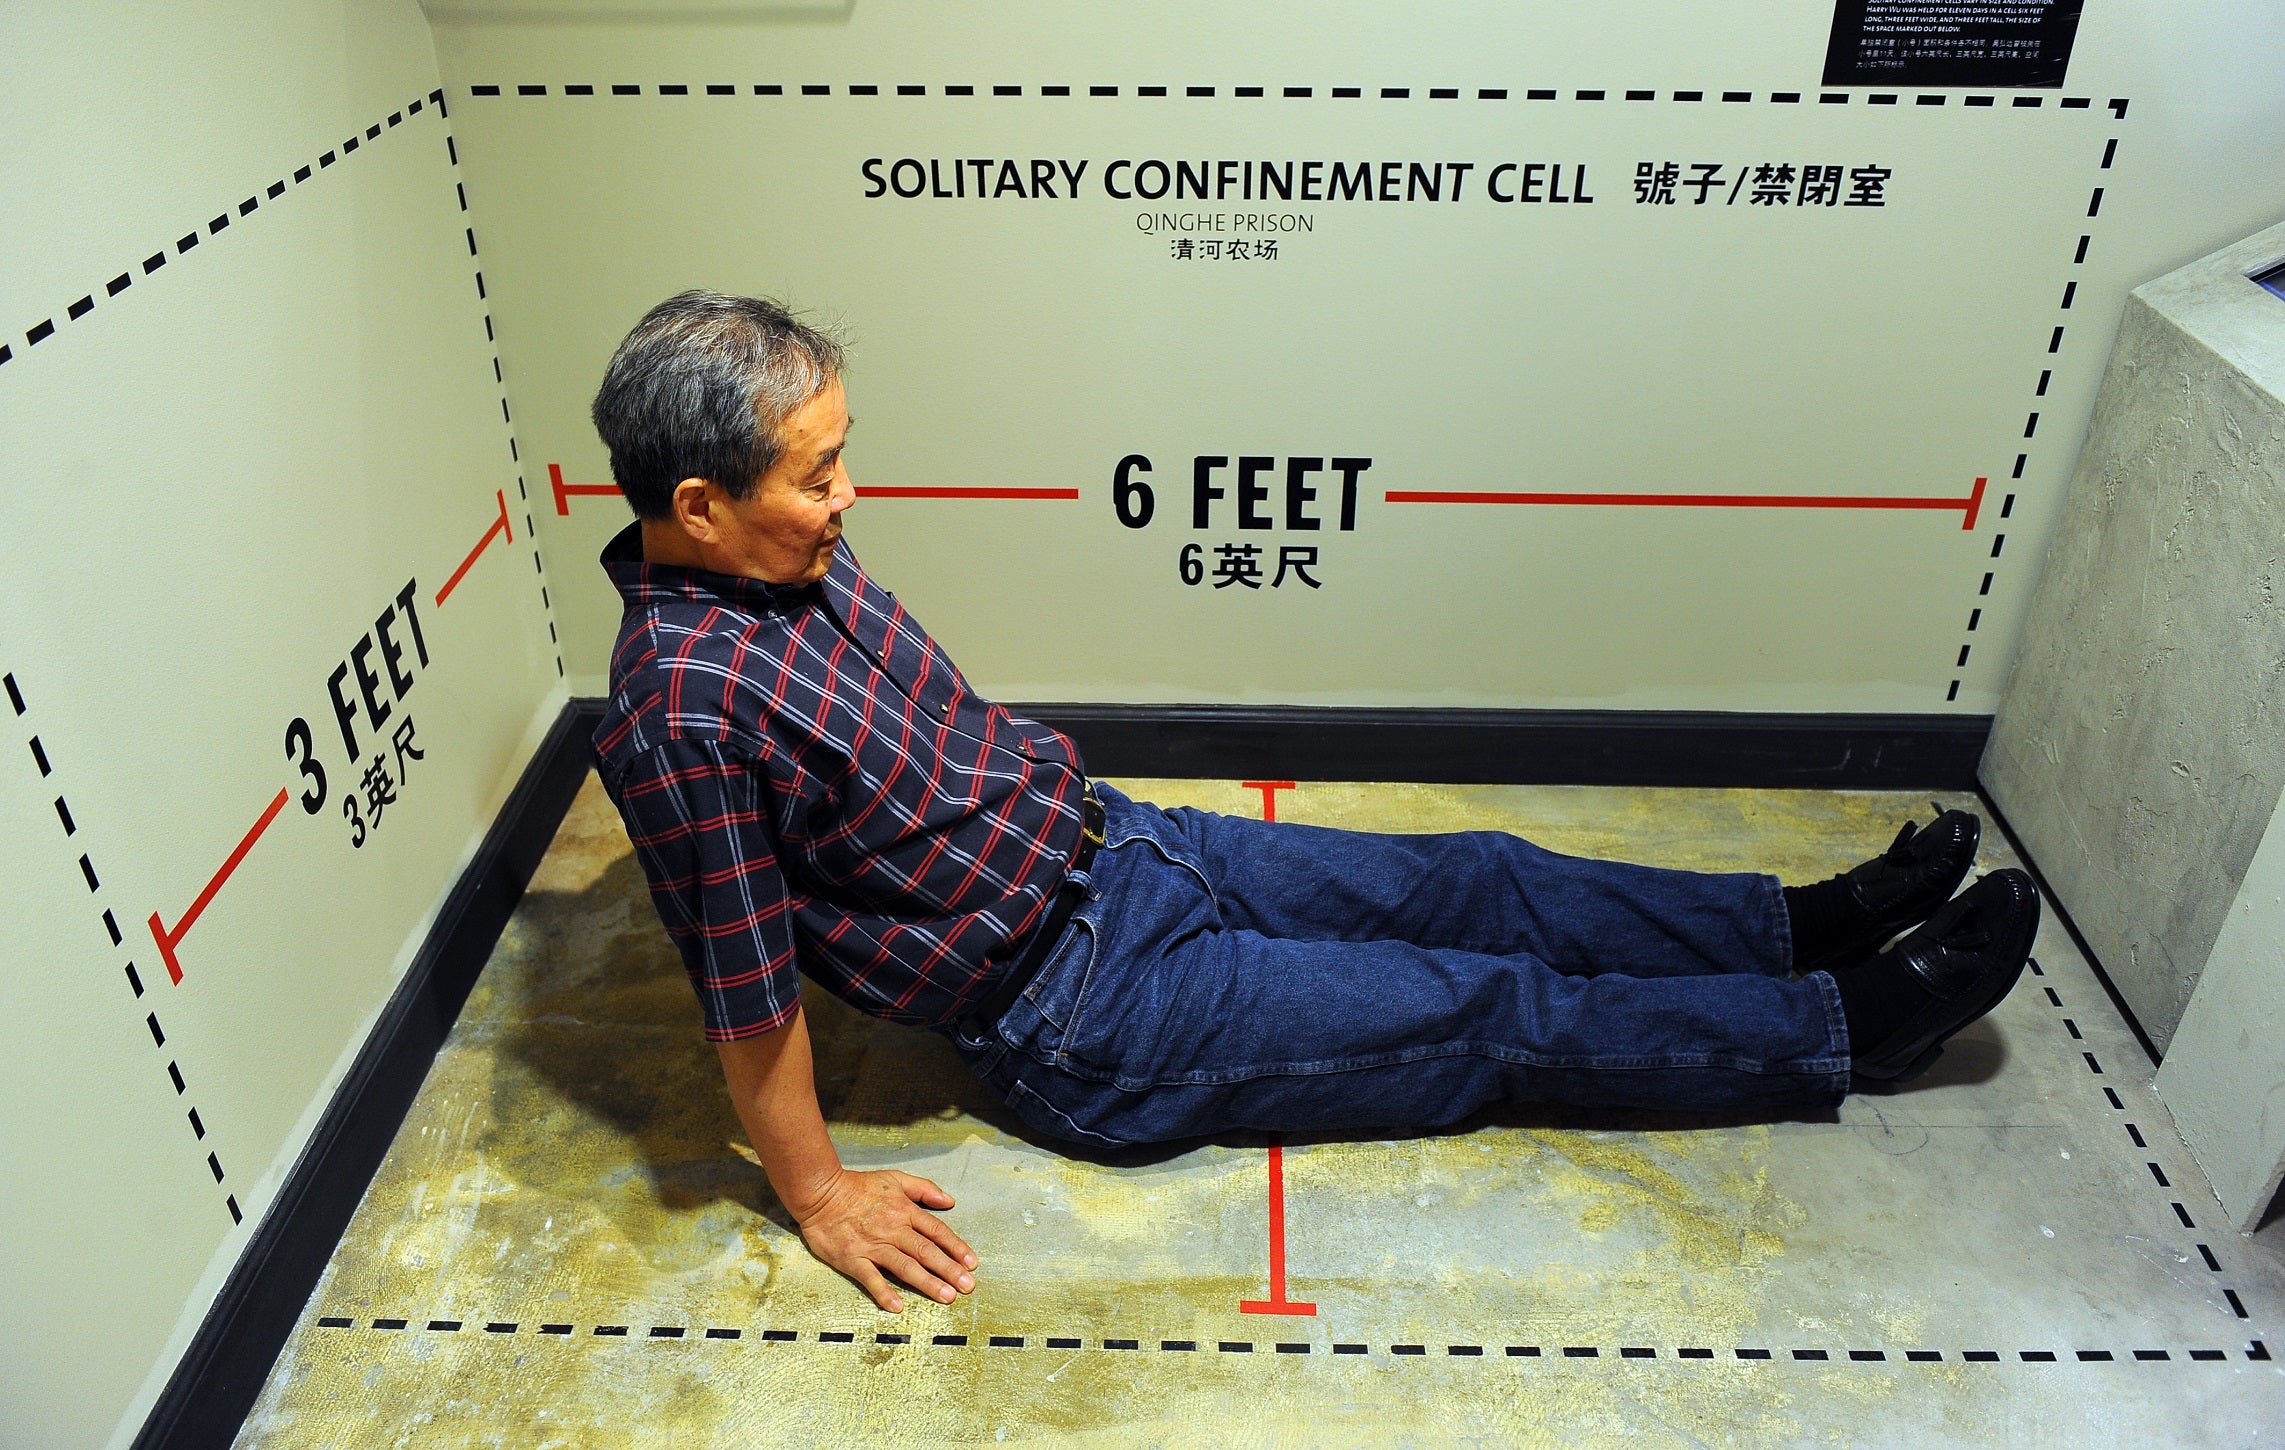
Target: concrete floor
{"points": [[569, 1245]]}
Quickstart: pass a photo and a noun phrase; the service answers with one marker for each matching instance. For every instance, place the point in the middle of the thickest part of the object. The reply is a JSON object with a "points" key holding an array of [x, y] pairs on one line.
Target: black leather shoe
{"points": [[1897, 889], [1966, 958]]}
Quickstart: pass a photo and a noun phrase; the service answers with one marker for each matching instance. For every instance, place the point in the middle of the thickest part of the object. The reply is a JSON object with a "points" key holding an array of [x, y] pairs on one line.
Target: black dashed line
{"points": [[1347, 93], [2112, 1094], [87, 869], [1587, 95], [198, 1128], [334, 1321], [1523, 1351], [1235, 1346], [2208, 1255], [555, 1329], [1832, 98], [1177, 1346], [2095, 1356], [1408, 1349], [1751, 1353], [1693, 1352], [175, 1073], [500, 1326], [2033, 964], [2027, 103], [1464, 1351], [2236, 1304], [158, 1038], [1066, 90], [1637, 1352], [1349, 1349], [118, 284], [2092, 1065], [685, 90], [1868, 1356], [1396, 93], [1581, 1351], [2075, 103], [725, 1333], [611, 1331], [2207, 1356], [2184, 1215], [111, 927], [63, 812], [1733, 96], [1810, 1354], [214, 1165], [1496, 93], [2136, 1134], [1120, 1344], [388, 1324], [666, 1331], [2037, 1356], [2149, 1354], [2073, 1028], [1883, 100], [1285, 1348], [1006, 1341], [40, 758], [1443, 93], [1063, 1342], [1981, 1356], [950, 1339], [1924, 1356], [1689, 95], [134, 980]]}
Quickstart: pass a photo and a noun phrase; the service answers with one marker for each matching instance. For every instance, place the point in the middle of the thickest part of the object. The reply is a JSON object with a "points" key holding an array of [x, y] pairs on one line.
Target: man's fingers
{"points": [[913, 1272], [937, 1262], [920, 1190], [871, 1281], [945, 1238]]}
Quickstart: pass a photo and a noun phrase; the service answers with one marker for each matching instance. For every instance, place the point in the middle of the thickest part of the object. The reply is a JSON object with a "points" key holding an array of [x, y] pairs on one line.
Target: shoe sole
{"points": [[1924, 1054]]}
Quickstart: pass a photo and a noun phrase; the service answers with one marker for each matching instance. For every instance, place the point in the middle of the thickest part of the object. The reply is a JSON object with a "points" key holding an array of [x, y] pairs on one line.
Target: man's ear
{"points": [[693, 509]]}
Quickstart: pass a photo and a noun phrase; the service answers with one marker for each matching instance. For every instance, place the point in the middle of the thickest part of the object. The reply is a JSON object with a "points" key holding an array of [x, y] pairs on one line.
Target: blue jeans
{"points": [[1224, 973]]}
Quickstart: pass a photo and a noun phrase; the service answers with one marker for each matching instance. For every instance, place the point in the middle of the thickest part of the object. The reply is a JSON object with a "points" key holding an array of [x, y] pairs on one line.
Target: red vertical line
{"points": [[168, 940], [1975, 506], [1276, 1303], [500, 526], [1269, 790]]}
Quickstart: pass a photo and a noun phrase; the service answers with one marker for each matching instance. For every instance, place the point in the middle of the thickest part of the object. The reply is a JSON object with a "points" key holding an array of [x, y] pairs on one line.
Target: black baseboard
{"points": [[1525, 747], [228, 1362]]}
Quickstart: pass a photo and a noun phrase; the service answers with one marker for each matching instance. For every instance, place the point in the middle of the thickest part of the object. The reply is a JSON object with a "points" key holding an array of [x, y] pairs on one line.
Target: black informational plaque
{"points": [[1951, 42]]}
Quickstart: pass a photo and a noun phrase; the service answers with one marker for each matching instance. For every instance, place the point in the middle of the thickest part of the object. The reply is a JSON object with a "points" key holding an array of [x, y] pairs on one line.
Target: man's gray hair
{"points": [[702, 388]]}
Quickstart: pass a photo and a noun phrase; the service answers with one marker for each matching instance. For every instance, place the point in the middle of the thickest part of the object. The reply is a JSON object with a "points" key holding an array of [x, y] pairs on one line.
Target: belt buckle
{"points": [[1090, 799]]}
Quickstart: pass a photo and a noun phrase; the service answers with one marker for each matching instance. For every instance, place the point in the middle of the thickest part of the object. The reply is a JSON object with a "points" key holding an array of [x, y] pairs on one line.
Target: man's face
{"points": [[786, 529]]}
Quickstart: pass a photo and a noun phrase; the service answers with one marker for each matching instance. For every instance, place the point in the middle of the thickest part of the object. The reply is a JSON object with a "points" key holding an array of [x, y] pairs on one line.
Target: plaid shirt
{"points": [[809, 782]]}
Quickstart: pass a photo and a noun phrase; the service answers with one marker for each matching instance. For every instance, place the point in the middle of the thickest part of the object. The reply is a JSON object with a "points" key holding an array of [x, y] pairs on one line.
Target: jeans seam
{"points": [[1795, 1067], [1781, 922]]}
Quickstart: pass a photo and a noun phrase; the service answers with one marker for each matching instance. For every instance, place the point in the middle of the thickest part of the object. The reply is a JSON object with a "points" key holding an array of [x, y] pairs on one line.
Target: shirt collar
{"points": [[641, 583]]}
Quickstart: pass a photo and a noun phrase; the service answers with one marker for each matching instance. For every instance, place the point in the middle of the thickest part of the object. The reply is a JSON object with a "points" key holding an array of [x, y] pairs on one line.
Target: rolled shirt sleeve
{"points": [[697, 814]]}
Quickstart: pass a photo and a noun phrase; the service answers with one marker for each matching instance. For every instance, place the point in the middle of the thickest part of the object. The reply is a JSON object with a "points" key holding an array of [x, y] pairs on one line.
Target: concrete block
{"points": [[2140, 748]]}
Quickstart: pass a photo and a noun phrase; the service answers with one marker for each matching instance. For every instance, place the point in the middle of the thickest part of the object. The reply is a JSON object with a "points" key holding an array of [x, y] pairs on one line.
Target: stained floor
{"points": [[569, 1244]]}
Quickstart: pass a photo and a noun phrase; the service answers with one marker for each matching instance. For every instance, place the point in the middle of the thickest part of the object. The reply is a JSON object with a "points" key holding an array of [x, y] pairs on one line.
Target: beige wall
{"points": [[1605, 348], [222, 475]]}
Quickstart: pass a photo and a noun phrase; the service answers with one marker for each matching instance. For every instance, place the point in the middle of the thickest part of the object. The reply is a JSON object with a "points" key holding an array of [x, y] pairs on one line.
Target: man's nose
{"points": [[844, 491]]}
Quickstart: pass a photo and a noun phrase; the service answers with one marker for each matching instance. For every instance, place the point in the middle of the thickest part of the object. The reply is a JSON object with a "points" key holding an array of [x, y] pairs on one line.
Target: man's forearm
{"points": [[773, 1084]]}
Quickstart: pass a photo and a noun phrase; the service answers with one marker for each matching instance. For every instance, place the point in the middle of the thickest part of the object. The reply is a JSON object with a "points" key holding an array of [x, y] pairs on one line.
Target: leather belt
{"points": [[986, 1014]]}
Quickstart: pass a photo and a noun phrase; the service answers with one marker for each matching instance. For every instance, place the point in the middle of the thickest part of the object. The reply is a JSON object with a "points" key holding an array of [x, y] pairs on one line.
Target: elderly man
{"points": [[812, 786]]}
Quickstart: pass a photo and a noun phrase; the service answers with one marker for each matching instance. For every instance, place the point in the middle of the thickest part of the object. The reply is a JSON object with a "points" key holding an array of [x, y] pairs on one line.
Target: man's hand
{"points": [[871, 1225], [859, 1223]]}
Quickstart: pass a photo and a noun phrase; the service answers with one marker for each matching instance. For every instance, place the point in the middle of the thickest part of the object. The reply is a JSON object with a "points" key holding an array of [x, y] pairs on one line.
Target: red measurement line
{"points": [[168, 940], [1969, 506], [900, 491], [499, 529], [1269, 790], [1276, 1303], [565, 492]]}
